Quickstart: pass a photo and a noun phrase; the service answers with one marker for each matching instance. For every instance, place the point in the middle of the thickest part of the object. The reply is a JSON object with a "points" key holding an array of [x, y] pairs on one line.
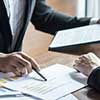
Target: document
{"points": [[61, 81], [69, 97], [76, 36], [8, 94], [17, 98]]}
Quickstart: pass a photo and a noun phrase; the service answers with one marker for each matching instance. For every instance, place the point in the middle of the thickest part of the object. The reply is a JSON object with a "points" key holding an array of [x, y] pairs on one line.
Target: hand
{"points": [[87, 63], [18, 62], [98, 21]]}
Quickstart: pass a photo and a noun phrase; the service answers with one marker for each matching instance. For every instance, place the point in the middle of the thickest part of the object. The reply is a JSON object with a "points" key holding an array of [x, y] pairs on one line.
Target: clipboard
{"points": [[71, 38]]}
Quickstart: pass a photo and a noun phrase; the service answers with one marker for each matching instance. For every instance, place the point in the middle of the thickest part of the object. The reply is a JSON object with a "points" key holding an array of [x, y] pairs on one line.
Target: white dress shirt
{"points": [[16, 12]]}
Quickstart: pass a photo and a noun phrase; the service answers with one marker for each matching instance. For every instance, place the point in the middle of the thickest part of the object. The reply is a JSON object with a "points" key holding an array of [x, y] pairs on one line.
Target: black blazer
{"points": [[94, 79], [42, 17]]}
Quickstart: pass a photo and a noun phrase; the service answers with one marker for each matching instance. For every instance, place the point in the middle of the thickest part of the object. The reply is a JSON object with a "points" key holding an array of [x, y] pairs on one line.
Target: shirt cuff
{"points": [[93, 21]]}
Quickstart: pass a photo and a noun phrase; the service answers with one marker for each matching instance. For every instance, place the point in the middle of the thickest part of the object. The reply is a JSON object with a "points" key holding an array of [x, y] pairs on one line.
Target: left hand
{"points": [[87, 63]]}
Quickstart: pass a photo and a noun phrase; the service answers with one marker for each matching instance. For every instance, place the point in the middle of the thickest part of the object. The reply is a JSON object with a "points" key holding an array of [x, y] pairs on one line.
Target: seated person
{"points": [[15, 16], [89, 64]]}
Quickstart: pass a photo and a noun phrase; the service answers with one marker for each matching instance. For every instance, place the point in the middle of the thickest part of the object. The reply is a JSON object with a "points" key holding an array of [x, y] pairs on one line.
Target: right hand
{"points": [[87, 63], [19, 63]]}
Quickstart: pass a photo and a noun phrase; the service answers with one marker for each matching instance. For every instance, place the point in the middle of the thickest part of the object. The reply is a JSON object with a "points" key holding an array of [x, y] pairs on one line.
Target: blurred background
{"points": [[65, 6]]}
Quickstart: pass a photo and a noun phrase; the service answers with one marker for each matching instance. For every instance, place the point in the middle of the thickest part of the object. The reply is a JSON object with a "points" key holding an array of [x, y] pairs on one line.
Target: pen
{"points": [[40, 74]]}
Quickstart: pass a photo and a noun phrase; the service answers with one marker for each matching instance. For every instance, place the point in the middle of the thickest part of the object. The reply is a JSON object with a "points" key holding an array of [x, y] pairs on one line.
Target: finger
{"points": [[15, 70], [84, 59], [26, 64], [20, 67], [35, 65], [79, 64], [77, 61], [75, 67]]}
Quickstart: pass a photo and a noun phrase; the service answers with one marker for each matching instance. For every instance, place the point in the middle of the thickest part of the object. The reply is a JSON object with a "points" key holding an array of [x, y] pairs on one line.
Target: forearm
{"points": [[58, 21], [94, 79], [46, 19]]}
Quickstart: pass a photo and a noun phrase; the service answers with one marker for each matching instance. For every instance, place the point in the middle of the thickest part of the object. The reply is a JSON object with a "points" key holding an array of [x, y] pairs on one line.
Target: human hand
{"points": [[98, 21], [18, 62], [87, 63], [94, 21]]}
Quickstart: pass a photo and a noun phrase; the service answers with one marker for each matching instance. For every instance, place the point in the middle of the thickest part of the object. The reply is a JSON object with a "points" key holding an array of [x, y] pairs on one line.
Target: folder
{"points": [[75, 37]]}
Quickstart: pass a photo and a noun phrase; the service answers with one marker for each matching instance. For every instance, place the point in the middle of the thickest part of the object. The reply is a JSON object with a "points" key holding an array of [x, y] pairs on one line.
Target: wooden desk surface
{"points": [[36, 45]]}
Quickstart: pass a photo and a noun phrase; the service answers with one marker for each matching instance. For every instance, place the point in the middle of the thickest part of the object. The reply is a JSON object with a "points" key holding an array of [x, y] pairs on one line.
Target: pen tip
{"points": [[45, 79]]}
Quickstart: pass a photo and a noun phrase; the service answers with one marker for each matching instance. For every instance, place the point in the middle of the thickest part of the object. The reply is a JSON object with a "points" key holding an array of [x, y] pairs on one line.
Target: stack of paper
{"points": [[61, 81]]}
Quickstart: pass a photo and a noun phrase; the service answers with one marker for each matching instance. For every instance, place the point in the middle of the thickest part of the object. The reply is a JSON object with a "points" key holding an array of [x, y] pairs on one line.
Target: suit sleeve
{"points": [[46, 19], [94, 79], [5, 32]]}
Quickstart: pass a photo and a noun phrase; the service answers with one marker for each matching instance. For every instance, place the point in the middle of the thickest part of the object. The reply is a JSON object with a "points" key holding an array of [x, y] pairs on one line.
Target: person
{"points": [[89, 64], [15, 16]]}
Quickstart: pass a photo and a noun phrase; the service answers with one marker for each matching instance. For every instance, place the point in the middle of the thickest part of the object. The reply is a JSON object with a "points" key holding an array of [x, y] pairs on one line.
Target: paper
{"points": [[5, 92], [17, 98], [8, 94], [69, 97], [62, 80], [75, 36], [5, 95], [7, 77]]}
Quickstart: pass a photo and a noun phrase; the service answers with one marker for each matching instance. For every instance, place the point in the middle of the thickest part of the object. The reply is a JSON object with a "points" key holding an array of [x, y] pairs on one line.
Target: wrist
{"points": [[91, 70], [93, 21]]}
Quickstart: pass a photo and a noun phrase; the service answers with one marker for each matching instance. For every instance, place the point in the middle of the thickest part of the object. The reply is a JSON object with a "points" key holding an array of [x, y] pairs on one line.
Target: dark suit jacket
{"points": [[42, 17], [94, 79]]}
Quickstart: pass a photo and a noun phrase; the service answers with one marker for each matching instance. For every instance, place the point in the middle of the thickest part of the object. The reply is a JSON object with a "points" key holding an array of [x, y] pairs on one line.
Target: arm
{"points": [[88, 65], [46, 19], [94, 79]]}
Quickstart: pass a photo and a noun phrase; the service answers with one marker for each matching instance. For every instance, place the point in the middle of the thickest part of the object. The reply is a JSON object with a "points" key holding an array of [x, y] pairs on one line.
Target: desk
{"points": [[38, 48]]}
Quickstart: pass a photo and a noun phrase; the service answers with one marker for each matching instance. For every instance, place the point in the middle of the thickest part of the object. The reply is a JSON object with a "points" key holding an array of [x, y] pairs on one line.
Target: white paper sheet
{"points": [[17, 98], [62, 80], [6, 94], [69, 97]]}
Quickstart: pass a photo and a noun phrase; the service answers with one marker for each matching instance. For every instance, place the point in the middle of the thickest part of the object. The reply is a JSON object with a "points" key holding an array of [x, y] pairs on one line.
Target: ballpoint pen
{"points": [[39, 74]]}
